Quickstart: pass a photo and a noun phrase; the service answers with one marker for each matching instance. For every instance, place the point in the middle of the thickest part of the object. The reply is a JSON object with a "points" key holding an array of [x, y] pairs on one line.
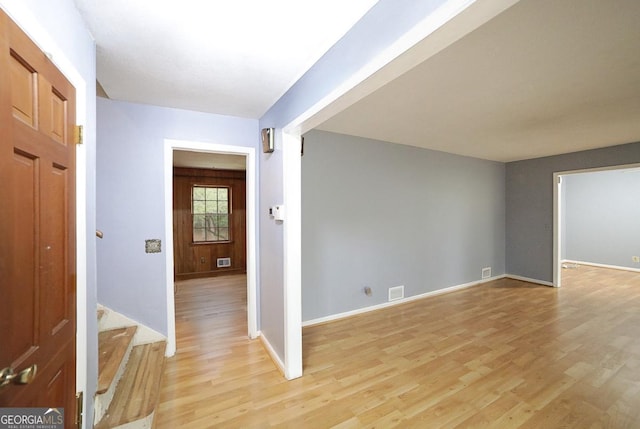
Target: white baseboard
{"points": [[530, 280], [272, 353], [338, 316], [595, 264], [113, 320]]}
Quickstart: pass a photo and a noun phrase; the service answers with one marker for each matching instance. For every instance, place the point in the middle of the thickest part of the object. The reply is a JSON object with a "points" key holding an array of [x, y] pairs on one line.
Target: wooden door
{"points": [[37, 226]]}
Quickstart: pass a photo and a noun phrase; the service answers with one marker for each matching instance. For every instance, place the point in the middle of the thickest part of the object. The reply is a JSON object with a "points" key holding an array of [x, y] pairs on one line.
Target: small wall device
{"points": [[277, 212]]}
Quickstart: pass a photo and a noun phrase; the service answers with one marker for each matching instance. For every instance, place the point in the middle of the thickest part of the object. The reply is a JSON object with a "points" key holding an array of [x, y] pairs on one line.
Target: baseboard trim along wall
{"points": [[530, 280], [594, 264], [272, 353], [111, 319], [346, 314]]}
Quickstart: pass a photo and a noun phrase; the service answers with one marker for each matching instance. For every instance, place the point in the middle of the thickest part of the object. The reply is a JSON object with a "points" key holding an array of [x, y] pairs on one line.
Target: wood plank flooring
{"points": [[113, 345], [137, 394], [506, 354]]}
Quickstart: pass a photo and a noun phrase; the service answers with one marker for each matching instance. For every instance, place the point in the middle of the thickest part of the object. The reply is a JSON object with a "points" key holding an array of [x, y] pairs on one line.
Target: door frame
{"points": [[22, 16], [558, 209], [251, 225], [292, 252]]}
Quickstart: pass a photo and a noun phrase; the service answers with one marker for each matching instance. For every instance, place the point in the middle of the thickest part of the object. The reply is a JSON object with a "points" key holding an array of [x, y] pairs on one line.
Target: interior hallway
{"points": [[503, 354]]}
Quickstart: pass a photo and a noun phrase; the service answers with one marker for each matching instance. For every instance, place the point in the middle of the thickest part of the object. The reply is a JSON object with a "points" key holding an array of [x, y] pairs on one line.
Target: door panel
{"points": [[37, 225], [58, 116], [24, 338], [54, 250], [23, 90]]}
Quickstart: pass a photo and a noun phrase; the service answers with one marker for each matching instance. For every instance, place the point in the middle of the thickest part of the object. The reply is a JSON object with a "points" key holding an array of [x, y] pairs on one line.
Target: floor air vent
{"points": [[223, 262], [396, 293]]}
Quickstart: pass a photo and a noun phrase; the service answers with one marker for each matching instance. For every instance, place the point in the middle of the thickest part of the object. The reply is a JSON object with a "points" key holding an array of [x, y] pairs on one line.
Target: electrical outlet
{"points": [[635, 259]]}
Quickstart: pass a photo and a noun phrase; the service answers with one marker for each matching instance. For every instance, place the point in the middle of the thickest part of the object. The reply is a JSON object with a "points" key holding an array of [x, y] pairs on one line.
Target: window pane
{"points": [[198, 193], [199, 207], [210, 235], [208, 221], [198, 221], [212, 206], [212, 193]]}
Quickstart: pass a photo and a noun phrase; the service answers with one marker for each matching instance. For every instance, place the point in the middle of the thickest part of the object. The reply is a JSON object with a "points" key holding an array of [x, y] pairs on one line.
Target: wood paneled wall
{"points": [[199, 260]]}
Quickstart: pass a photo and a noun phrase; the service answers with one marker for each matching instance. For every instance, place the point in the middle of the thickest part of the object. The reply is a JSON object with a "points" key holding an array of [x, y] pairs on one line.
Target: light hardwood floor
{"points": [[506, 354]]}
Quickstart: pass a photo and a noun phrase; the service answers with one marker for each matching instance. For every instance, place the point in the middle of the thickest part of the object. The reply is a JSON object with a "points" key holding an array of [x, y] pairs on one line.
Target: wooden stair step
{"points": [[138, 391], [112, 345]]}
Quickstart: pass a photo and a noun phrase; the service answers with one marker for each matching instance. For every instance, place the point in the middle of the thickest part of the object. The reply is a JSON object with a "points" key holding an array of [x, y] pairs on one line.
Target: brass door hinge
{"points": [[78, 134], [79, 406]]}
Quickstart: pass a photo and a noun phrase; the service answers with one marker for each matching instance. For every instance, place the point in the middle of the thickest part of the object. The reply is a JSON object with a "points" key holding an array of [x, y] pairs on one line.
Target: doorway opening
{"points": [[251, 231], [560, 193]]}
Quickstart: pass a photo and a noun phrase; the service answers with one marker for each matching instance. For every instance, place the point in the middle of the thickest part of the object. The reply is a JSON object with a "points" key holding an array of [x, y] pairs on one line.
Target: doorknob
{"points": [[26, 376]]}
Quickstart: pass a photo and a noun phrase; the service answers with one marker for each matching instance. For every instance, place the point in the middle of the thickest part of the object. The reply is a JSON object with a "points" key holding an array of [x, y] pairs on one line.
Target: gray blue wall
{"points": [[602, 217], [381, 215], [130, 197], [272, 250], [529, 202], [374, 33]]}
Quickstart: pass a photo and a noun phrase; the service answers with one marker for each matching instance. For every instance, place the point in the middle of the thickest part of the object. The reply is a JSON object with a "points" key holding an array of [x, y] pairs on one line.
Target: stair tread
{"points": [[112, 345], [138, 391]]}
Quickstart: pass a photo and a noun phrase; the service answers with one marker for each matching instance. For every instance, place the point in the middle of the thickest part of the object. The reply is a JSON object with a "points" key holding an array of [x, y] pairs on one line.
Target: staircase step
{"points": [[113, 346], [138, 391]]}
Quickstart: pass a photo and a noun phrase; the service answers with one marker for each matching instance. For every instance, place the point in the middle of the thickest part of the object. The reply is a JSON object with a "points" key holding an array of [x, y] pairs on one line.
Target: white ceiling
{"points": [[226, 57], [544, 77]]}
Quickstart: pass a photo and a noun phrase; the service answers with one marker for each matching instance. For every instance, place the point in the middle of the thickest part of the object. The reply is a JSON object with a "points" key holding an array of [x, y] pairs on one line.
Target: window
{"points": [[210, 210]]}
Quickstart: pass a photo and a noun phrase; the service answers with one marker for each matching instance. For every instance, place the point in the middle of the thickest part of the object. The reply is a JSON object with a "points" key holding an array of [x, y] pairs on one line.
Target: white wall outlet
{"points": [[635, 259]]}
